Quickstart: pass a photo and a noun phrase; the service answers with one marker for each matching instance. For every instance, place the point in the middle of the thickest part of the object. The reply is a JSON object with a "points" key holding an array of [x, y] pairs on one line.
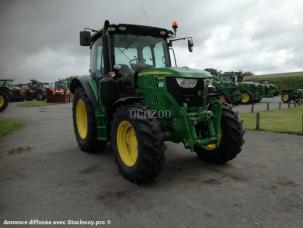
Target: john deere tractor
{"points": [[135, 99], [288, 95], [9, 93], [228, 90], [4, 95], [251, 92]]}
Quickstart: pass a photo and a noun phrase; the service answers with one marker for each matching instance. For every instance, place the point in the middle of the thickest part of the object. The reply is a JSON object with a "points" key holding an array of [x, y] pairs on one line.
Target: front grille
{"points": [[191, 96]]}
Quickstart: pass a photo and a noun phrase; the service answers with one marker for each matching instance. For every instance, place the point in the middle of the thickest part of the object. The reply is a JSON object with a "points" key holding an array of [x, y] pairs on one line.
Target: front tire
{"points": [[4, 100], [285, 97], [40, 97], [231, 139], [137, 144], [246, 97], [85, 125]]}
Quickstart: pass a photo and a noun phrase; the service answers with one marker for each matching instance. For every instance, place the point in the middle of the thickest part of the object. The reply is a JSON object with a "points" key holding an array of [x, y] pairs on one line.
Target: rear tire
{"points": [[40, 97], [87, 139], [4, 100], [146, 151], [231, 139]]}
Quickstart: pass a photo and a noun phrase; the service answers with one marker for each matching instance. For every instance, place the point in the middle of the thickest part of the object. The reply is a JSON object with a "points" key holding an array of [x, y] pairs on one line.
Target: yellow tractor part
{"points": [[245, 97], [210, 147], [285, 97], [1, 101], [127, 143], [214, 146], [81, 119]]}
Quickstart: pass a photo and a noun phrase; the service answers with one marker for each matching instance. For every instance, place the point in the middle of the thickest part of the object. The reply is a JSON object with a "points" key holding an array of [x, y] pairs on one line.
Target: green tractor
{"points": [[288, 95], [4, 95], [8, 93], [228, 91], [135, 99], [251, 92], [271, 90]]}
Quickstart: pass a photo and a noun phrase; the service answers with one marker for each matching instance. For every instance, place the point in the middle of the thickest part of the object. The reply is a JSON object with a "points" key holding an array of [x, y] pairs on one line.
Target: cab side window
{"points": [[147, 55], [96, 58]]}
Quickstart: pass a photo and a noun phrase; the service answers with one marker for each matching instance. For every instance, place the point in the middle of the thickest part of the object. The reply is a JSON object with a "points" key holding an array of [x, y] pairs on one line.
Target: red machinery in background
{"points": [[61, 93]]}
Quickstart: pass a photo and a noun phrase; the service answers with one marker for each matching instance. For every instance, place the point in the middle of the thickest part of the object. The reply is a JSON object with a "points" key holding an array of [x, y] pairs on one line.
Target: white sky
{"points": [[40, 39]]}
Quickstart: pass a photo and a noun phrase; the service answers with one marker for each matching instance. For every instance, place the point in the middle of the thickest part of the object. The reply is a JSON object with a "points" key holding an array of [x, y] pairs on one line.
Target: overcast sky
{"points": [[40, 38]]}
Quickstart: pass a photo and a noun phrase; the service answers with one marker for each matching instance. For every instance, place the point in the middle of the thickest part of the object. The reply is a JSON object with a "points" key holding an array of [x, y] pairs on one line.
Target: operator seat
{"points": [[126, 74]]}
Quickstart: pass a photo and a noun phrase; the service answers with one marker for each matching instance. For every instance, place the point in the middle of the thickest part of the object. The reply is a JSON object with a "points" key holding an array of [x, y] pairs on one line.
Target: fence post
{"points": [[295, 104], [288, 104], [252, 108], [267, 107], [257, 121], [280, 105]]}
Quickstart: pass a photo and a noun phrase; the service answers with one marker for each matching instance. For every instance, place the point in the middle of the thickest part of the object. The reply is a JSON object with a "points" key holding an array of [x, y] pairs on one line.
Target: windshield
{"points": [[6, 83], [60, 85], [137, 50]]}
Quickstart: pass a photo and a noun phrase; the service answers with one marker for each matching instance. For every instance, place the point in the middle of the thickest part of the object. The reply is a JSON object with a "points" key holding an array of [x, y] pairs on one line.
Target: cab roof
{"points": [[135, 29]]}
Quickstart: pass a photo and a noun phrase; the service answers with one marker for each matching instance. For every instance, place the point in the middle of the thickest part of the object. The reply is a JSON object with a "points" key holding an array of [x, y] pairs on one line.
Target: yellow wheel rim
{"points": [[127, 143], [245, 97], [213, 146], [81, 119], [285, 97], [1, 101]]}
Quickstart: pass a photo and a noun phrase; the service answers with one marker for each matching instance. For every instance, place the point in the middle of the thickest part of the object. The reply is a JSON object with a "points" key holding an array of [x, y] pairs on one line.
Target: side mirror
{"points": [[190, 45], [85, 38]]}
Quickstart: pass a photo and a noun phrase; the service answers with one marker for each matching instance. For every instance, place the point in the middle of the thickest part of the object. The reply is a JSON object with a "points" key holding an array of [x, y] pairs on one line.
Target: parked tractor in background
{"points": [[251, 92], [289, 95], [48, 88], [228, 90], [40, 93], [28, 93], [4, 100], [271, 89], [134, 98], [9, 93], [61, 93], [267, 90]]}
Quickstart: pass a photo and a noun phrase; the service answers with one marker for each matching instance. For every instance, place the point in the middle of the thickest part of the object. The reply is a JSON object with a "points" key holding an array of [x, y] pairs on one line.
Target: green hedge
{"points": [[294, 82]]}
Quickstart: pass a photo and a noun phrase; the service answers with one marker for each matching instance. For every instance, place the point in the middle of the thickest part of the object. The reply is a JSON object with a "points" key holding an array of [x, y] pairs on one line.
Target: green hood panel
{"points": [[182, 72]]}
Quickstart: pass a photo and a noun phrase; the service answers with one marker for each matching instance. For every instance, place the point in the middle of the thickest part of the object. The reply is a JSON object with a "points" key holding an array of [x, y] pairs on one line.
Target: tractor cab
{"points": [[122, 51], [6, 83]]}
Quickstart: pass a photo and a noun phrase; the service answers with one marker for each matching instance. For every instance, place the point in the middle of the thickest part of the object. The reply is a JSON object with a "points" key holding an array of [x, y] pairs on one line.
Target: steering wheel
{"points": [[135, 61]]}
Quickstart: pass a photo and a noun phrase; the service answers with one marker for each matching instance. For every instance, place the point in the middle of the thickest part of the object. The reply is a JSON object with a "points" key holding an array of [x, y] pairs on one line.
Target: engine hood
{"points": [[182, 72]]}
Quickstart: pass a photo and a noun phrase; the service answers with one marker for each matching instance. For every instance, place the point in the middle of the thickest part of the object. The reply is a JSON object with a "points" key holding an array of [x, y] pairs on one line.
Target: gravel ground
{"points": [[45, 176]]}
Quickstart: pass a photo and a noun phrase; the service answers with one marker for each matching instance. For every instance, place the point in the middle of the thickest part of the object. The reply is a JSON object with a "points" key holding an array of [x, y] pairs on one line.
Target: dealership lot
{"points": [[44, 175]]}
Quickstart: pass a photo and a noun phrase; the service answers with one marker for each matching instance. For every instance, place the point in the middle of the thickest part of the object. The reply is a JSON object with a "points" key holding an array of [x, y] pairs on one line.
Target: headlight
{"points": [[187, 82], [208, 82]]}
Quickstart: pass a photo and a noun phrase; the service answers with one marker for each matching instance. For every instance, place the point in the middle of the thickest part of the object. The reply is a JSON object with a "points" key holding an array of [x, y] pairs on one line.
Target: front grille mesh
{"points": [[193, 97]]}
